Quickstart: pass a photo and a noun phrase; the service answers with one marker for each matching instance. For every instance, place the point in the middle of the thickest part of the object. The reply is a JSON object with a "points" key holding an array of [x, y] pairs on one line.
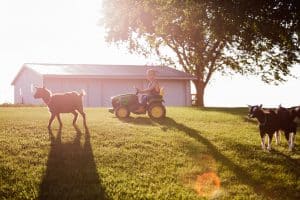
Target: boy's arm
{"points": [[152, 87], [147, 89]]}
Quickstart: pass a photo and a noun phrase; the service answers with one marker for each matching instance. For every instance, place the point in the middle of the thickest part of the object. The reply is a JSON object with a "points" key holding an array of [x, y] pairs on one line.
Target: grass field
{"points": [[192, 154]]}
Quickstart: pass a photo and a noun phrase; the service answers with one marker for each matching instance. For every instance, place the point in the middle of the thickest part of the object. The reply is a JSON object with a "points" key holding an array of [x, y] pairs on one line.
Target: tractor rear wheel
{"points": [[156, 111]]}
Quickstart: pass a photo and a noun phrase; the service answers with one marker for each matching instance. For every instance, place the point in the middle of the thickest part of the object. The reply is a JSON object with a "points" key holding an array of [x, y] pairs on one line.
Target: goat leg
{"points": [[84, 118], [59, 120], [75, 117], [51, 120]]}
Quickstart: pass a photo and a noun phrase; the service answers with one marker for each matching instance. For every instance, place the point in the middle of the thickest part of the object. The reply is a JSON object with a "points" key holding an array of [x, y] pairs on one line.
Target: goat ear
{"points": [[261, 106], [31, 87], [249, 106]]}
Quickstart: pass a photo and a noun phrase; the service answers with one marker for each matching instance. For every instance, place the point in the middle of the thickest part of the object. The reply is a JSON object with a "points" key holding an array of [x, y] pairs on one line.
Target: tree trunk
{"points": [[200, 88]]}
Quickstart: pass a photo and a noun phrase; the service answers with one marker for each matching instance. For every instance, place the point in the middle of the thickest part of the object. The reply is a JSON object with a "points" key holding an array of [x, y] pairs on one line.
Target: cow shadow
{"points": [[71, 170], [241, 173]]}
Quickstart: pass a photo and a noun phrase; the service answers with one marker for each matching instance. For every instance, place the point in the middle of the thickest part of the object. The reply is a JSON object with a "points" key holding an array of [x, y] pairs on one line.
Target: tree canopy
{"points": [[205, 36]]}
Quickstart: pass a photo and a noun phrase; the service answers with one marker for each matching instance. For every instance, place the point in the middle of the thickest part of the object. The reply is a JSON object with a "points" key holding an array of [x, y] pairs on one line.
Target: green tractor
{"points": [[125, 104]]}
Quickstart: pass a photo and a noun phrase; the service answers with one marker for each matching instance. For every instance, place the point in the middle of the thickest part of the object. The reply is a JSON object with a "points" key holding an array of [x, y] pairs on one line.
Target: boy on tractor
{"points": [[151, 90]]}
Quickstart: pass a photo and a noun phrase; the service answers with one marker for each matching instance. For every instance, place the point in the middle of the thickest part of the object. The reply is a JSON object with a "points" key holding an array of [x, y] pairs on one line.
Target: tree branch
{"points": [[211, 67], [178, 53]]}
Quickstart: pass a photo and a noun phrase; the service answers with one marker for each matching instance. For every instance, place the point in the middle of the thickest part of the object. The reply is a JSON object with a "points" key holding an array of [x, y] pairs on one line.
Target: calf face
{"points": [[254, 111]]}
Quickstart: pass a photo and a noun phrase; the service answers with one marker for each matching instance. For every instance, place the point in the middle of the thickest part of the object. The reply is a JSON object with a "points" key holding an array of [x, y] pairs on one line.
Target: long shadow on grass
{"points": [[71, 170], [242, 175], [265, 165]]}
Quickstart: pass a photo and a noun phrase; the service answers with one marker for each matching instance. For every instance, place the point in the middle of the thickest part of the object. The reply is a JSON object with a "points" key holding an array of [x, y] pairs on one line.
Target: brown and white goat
{"points": [[69, 102]]}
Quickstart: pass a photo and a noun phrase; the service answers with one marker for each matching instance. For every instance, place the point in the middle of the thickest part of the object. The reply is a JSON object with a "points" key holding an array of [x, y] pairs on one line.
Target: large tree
{"points": [[206, 36]]}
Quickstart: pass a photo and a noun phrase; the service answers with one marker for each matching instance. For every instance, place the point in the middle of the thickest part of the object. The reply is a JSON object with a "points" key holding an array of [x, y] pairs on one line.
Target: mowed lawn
{"points": [[192, 154]]}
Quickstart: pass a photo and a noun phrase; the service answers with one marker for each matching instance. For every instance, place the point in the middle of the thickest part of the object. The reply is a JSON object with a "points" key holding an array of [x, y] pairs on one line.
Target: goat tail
{"points": [[82, 93]]}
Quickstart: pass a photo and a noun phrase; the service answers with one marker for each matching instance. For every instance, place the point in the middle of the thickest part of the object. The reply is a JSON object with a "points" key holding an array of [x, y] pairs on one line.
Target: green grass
{"points": [[192, 154]]}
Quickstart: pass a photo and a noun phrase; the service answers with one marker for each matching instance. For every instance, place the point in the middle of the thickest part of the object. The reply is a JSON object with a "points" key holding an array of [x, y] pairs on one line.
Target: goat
{"points": [[286, 123], [268, 123], [62, 103]]}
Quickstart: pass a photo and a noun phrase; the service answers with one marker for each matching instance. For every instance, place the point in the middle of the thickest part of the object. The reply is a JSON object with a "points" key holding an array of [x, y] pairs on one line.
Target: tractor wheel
{"points": [[122, 112], [156, 111]]}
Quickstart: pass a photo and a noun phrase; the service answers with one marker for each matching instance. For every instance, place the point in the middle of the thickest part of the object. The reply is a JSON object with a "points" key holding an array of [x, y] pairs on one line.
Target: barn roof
{"points": [[103, 71]]}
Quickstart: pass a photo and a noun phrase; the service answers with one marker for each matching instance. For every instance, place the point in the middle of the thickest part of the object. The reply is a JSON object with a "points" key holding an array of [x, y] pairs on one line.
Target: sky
{"points": [[68, 31]]}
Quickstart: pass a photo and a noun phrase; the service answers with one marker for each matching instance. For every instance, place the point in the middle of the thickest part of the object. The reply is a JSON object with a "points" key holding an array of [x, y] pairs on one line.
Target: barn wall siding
{"points": [[23, 84], [175, 92], [116, 87]]}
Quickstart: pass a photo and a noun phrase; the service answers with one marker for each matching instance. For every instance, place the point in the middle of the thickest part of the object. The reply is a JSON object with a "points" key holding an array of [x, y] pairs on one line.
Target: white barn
{"points": [[100, 82]]}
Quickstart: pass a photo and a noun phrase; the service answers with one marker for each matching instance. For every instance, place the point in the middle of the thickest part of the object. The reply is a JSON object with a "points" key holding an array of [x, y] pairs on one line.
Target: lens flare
{"points": [[207, 184]]}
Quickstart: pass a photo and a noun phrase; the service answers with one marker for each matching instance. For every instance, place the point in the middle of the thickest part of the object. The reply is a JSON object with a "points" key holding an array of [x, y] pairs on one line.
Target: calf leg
{"points": [[51, 120], [263, 141], [291, 141], [59, 120], [286, 134], [75, 117], [277, 137], [270, 136]]}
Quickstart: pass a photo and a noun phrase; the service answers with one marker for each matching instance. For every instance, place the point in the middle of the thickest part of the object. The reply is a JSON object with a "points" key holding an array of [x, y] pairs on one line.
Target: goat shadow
{"points": [[71, 170]]}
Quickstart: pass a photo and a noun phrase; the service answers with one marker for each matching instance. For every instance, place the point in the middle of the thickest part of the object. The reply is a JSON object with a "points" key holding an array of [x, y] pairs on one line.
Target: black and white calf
{"points": [[268, 123], [287, 117]]}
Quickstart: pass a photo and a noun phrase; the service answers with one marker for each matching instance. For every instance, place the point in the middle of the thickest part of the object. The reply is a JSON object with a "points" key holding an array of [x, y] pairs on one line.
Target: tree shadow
{"points": [[242, 174], [71, 170], [281, 189]]}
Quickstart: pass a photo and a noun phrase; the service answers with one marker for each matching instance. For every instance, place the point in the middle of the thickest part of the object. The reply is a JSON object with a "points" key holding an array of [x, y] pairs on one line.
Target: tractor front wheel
{"points": [[122, 112]]}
